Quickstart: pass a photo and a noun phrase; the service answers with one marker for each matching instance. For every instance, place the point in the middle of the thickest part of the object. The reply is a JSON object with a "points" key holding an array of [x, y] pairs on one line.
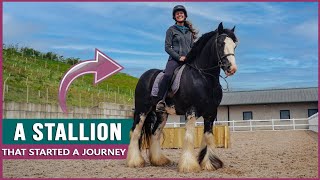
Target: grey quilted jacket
{"points": [[177, 43]]}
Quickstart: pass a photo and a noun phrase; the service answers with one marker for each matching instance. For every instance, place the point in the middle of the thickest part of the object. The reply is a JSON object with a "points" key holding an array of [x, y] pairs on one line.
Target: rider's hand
{"points": [[182, 58]]}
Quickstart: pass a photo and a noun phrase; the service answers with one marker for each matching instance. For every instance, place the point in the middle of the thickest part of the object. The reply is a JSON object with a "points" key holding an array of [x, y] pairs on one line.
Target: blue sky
{"points": [[278, 41]]}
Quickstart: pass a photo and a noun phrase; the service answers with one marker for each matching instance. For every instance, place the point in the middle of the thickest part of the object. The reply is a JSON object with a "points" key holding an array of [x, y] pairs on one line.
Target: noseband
{"points": [[220, 64]]}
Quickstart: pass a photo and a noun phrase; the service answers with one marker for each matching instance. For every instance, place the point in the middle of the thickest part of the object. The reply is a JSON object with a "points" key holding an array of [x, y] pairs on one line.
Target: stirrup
{"points": [[160, 107]]}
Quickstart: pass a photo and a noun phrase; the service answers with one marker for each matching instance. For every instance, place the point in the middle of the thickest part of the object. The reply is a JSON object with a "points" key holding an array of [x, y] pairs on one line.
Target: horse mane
{"points": [[202, 41], [198, 46], [230, 34]]}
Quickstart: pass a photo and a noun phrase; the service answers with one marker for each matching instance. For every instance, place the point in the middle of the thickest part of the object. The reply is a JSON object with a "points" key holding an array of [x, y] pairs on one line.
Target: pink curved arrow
{"points": [[102, 67]]}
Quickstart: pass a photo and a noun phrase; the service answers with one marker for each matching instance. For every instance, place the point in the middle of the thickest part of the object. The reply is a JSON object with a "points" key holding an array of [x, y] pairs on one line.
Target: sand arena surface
{"points": [[266, 154]]}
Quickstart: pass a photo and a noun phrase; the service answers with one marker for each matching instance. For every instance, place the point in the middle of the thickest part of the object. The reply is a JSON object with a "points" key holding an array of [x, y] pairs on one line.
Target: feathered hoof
{"points": [[136, 162], [188, 164], [208, 161], [185, 168], [211, 163], [161, 161], [134, 158], [207, 166]]}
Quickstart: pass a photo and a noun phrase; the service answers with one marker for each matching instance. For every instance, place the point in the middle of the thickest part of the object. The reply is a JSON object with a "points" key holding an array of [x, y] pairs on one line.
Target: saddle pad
{"points": [[156, 84], [175, 85]]}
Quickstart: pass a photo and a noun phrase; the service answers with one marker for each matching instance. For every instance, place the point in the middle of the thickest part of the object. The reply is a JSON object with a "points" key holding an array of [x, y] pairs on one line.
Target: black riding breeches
{"points": [[168, 73]]}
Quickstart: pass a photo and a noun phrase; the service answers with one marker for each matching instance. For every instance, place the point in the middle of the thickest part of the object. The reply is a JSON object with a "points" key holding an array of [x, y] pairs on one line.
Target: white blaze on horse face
{"points": [[229, 49]]}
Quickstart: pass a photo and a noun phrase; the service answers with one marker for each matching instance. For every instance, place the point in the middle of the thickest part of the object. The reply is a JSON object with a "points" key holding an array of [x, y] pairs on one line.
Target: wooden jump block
{"points": [[222, 136]]}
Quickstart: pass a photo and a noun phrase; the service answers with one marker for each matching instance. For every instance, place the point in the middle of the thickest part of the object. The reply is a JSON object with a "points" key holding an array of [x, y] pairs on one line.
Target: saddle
{"points": [[174, 85]]}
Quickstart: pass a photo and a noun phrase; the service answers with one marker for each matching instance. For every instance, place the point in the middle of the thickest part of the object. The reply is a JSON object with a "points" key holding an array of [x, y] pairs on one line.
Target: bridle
{"points": [[219, 65]]}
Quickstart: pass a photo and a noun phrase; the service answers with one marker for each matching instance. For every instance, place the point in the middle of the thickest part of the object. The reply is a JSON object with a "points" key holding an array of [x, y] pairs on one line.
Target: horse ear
{"points": [[233, 28], [220, 28]]}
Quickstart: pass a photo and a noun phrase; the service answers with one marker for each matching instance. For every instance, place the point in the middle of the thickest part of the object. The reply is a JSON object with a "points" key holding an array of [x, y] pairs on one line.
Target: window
{"points": [[312, 112], [284, 114], [247, 115]]}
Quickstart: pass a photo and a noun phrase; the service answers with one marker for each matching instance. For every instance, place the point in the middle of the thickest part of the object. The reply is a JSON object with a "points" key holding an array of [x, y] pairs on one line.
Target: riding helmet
{"points": [[179, 8]]}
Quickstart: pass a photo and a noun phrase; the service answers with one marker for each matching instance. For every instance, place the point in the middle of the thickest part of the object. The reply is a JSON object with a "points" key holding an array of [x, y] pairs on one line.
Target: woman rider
{"points": [[179, 40]]}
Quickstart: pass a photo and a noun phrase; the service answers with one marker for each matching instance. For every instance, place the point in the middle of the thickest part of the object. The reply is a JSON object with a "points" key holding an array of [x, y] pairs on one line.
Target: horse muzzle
{"points": [[231, 70]]}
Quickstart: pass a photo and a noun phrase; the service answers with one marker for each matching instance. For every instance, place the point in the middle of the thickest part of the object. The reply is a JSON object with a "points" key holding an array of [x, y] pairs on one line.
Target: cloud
{"points": [[6, 18], [284, 61], [229, 12], [136, 67], [145, 34], [17, 30], [284, 78], [114, 50], [101, 9], [144, 62], [278, 40], [134, 52], [308, 29]]}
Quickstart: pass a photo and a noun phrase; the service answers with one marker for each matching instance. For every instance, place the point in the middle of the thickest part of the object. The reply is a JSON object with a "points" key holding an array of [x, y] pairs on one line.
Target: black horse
{"points": [[199, 95]]}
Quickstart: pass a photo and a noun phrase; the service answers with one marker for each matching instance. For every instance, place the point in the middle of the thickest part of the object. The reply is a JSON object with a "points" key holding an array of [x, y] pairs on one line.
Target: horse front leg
{"points": [[156, 156], [188, 161], [134, 157], [206, 158]]}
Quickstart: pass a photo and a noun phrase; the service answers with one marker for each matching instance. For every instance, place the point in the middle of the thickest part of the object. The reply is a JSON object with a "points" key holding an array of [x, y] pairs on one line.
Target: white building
{"points": [[265, 104]]}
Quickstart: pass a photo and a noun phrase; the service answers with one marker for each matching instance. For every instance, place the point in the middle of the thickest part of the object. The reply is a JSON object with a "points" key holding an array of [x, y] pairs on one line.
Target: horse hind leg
{"points": [[206, 158], [188, 161], [156, 156], [134, 157]]}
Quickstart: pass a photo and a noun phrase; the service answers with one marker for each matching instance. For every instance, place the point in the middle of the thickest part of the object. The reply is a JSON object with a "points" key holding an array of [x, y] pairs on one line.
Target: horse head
{"points": [[226, 43]]}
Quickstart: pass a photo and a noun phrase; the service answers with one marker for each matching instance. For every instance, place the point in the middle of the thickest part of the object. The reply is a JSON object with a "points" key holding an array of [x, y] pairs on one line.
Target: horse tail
{"points": [[144, 105], [144, 141]]}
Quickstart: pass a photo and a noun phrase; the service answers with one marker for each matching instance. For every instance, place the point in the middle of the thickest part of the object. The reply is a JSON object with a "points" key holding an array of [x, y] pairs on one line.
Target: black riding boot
{"points": [[164, 84]]}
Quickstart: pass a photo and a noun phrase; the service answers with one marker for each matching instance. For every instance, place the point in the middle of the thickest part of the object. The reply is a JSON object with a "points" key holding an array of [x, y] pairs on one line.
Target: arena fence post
{"points": [[272, 124]]}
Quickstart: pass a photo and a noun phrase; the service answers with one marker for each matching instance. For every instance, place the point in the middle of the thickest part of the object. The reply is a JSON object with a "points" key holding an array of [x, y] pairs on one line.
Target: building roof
{"points": [[270, 96]]}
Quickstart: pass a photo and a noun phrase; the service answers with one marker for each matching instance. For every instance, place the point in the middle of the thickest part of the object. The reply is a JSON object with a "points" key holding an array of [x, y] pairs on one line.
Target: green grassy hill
{"points": [[32, 76]]}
